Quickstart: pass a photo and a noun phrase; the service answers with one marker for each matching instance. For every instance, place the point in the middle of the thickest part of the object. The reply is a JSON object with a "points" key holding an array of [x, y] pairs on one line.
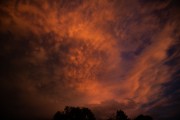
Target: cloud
{"points": [[97, 53]]}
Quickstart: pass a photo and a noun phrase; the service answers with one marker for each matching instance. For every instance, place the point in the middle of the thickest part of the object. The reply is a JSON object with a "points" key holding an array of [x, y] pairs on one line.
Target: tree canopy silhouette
{"points": [[74, 113], [143, 117], [77, 113], [59, 116], [120, 115]]}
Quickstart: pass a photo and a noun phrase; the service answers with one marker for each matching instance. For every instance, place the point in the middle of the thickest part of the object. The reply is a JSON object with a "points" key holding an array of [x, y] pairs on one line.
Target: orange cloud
{"points": [[88, 52]]}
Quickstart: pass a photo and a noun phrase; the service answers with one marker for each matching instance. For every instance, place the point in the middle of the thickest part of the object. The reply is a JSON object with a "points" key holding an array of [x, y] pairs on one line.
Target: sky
{"points": [[101, 54]]}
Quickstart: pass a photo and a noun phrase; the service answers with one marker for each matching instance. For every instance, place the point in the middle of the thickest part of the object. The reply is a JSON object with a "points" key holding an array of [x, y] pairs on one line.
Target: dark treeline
{"points": [[77, 113]]}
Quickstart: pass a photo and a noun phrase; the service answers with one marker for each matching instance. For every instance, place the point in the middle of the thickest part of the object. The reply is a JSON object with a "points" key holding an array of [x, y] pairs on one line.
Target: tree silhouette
{"points": [[77, 113], [74, 113], [120, 115], [59, 116], [143, 117], [87, 114]]}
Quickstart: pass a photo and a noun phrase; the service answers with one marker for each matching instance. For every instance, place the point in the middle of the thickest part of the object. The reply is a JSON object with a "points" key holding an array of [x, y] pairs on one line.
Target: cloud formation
{"points": [[103, 54]]}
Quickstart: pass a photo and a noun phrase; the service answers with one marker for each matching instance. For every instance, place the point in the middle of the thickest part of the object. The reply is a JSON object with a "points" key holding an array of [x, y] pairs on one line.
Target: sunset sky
{"points": [[101, 54]]}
